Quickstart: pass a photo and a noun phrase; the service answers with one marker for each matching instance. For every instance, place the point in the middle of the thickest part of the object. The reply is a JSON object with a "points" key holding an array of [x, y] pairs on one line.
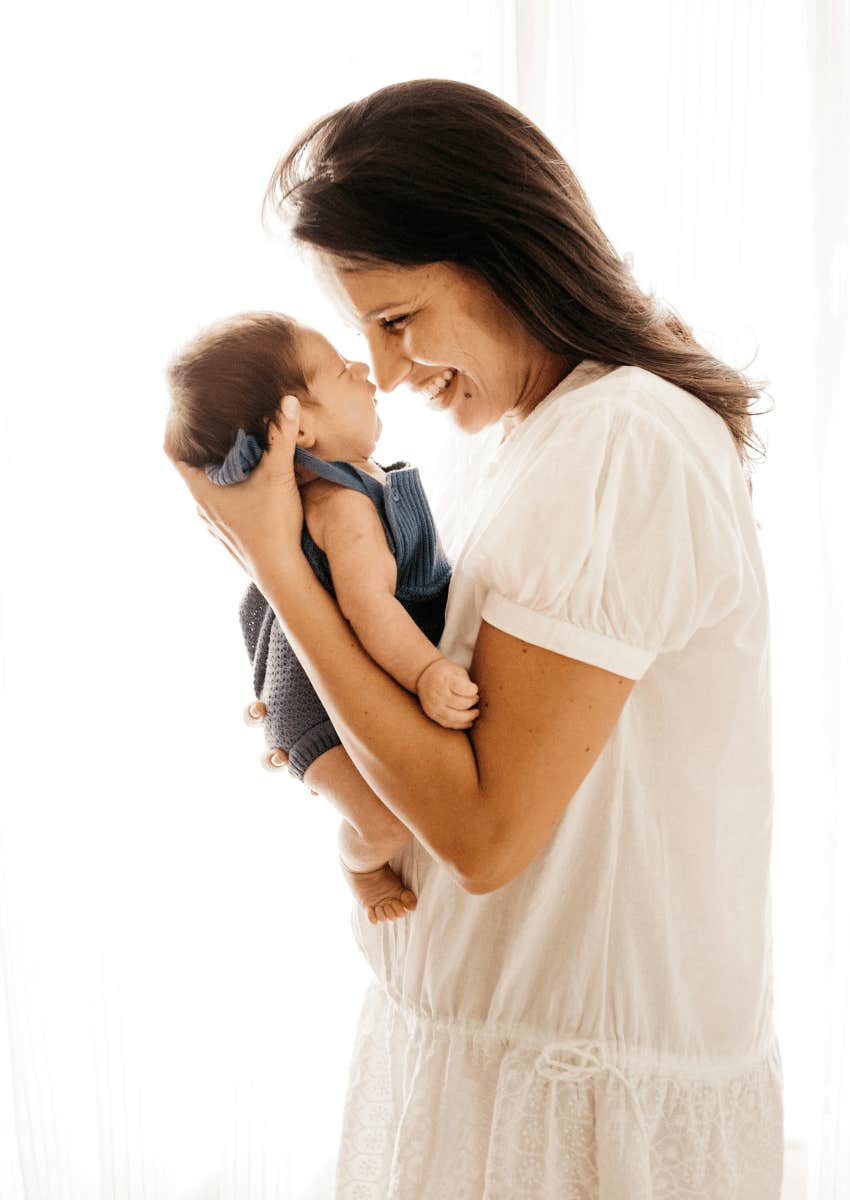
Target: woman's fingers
{"points": [[278, 463], [260, 519], [202, 488]]}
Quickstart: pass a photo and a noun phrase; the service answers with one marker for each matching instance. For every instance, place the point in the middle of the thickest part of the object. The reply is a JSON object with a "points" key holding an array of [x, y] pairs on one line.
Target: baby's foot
{"points": [[381, 893]]}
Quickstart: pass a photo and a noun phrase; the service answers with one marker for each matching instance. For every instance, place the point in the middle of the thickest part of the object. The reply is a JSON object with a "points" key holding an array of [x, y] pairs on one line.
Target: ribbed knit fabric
{"points": [[241, 459], [296, 720]]}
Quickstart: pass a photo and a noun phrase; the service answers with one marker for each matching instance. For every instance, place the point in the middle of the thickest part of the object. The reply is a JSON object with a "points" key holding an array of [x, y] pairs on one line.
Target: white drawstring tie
{"points": [[594, 1062]]}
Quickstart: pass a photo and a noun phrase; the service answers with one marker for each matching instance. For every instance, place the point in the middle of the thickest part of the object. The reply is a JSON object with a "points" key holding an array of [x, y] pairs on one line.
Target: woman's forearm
{"points": [[425, 774]]}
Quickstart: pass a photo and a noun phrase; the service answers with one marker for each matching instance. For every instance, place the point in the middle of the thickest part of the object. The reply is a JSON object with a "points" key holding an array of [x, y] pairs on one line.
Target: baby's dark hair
{"points": [[234, 374]]}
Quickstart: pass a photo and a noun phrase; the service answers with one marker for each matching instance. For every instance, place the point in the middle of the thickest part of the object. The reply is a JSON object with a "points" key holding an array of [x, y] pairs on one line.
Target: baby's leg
{"points": [[369, 835]]}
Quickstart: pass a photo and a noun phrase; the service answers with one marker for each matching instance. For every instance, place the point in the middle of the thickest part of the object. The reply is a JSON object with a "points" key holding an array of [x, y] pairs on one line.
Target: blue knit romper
{"points": [[296, 721]]}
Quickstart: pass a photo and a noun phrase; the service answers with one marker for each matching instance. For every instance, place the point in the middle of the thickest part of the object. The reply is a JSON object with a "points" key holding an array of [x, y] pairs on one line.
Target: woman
{"points": [[581, 1004]]}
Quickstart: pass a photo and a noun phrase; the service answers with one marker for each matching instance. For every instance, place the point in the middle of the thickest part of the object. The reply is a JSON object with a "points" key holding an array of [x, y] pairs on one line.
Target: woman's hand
{"points": [[259, 521]]}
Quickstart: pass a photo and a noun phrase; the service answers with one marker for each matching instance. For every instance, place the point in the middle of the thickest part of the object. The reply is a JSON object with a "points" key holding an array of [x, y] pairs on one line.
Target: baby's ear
{"points": [[307, 431]]}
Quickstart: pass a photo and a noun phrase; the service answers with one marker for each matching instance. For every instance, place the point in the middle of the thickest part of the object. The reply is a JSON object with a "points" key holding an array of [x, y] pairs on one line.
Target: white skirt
{"points": [[458, 1111]]}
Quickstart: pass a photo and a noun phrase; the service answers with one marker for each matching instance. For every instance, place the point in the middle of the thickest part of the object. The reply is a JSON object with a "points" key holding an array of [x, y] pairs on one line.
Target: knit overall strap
{"points": [[347, 475], [343, 473]]}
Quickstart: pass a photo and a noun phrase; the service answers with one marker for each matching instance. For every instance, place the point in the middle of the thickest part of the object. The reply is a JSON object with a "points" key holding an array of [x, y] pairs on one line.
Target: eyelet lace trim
{"points": [[436, 1110]]}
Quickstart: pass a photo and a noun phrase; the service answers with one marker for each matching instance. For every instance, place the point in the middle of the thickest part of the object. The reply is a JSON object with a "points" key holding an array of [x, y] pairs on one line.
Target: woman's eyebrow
{"points": [[370, 316]]}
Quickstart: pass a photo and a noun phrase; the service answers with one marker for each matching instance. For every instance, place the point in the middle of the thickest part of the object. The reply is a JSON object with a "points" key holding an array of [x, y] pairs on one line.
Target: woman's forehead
{"points": [[369, 291]]}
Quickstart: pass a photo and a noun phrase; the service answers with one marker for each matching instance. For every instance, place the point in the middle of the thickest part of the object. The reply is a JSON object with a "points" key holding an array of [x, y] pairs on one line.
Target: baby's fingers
{"points": [[452, 719], [463, 687]]}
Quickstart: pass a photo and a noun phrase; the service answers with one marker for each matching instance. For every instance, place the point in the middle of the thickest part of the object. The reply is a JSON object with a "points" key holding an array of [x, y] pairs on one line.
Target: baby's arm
{"points": [[347, 527]]}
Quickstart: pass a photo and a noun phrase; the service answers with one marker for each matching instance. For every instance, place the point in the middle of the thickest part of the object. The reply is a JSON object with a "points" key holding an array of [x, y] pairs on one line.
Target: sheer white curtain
{"points": [[179, 983]]}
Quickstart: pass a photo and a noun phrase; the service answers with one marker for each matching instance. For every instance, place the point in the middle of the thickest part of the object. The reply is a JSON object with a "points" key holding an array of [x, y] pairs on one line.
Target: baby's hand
{"points": [[447, 694]]}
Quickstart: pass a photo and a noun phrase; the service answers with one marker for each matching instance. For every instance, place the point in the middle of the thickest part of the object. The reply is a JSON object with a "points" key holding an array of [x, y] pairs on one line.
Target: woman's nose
{"points": [[390, 364]]}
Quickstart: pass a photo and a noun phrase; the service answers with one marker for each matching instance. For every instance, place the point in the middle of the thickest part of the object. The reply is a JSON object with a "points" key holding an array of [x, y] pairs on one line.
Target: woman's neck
{"points": [[542, 379]]}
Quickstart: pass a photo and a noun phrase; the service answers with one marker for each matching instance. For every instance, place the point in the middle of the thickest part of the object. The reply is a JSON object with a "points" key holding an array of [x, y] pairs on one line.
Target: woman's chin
{"points": [[466, 418]]}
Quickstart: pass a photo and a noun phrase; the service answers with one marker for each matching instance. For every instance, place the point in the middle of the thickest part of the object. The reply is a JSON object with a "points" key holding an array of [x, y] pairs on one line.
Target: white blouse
{"points": [[602, 1025]]}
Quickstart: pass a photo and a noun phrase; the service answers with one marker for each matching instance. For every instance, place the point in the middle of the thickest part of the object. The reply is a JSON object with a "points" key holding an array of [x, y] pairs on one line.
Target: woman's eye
{"points": [[394, 322]]}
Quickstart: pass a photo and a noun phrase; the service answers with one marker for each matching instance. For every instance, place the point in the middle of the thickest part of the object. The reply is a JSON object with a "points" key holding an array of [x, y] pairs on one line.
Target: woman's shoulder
{"points": [[631, 404], [629, 392], [610, 454]]}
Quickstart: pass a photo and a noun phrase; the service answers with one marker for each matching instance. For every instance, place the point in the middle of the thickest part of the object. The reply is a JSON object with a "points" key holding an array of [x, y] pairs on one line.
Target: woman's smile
{"points": [[438, 391], [439, 330]]}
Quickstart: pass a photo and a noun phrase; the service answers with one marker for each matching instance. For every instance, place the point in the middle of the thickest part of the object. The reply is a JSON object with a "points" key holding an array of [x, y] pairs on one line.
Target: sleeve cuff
{"points": [[551, 633]]}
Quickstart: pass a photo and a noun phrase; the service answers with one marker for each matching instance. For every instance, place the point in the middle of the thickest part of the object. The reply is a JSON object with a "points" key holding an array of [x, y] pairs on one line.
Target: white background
{"points": [[180, 982]]}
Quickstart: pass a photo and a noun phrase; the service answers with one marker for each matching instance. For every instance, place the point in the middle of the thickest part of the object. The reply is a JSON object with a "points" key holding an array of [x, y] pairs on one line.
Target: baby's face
{"points": [[344, 424]]}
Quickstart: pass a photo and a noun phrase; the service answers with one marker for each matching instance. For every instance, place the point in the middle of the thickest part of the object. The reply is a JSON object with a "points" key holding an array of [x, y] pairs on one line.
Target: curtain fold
{"points": [[828, 56]]}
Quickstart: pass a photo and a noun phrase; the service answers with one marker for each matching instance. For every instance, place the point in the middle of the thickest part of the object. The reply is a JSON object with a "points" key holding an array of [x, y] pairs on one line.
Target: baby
{"points": [[370, 538]]}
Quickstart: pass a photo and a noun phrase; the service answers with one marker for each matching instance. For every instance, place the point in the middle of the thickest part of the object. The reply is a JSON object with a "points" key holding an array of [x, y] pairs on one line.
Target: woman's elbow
{"points": [[495, 861], [481, 870], [466, 844], [478, 887]]}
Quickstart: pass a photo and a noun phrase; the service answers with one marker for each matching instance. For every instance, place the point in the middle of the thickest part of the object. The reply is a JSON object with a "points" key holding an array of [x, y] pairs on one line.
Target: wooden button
{"points": [[254, 713], [274, 759]]}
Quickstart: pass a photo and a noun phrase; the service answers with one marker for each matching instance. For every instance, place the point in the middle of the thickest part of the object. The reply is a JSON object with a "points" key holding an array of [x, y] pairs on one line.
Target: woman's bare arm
{"points": [[484, 803]]}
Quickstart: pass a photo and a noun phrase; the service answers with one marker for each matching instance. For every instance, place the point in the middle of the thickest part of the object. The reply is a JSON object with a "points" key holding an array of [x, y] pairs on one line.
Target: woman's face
{"points": [[442, 331]]}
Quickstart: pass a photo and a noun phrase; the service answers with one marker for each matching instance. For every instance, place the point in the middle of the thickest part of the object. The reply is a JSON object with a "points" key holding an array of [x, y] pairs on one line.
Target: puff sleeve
{"points": [[611, 545]]}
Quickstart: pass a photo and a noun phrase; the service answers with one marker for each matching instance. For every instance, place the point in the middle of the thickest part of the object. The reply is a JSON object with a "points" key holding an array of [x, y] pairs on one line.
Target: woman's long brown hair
{"points": [[434, 170]]}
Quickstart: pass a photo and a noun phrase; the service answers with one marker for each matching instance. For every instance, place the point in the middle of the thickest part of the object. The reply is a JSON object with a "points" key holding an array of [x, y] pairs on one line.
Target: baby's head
{"points": [[235, 374]]}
